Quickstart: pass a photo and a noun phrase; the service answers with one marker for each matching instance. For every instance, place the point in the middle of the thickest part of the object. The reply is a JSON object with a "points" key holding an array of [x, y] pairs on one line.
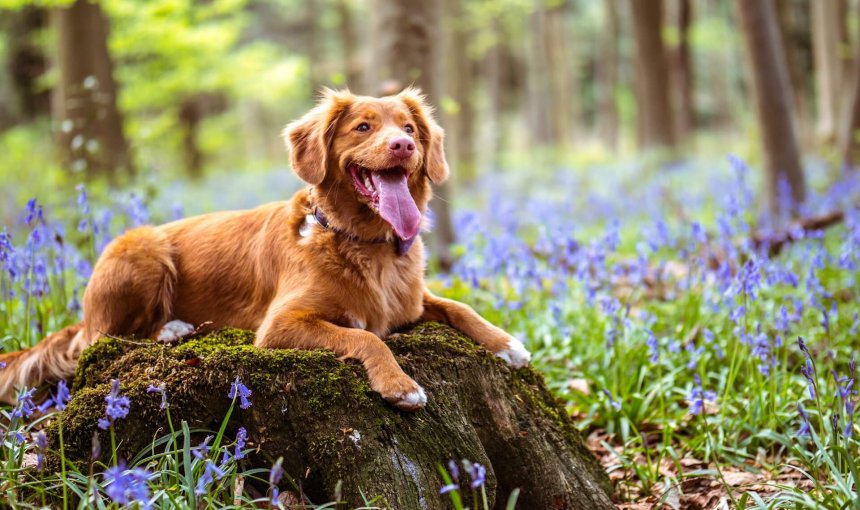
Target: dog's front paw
{"points": [[516, 354], [402, 392]]}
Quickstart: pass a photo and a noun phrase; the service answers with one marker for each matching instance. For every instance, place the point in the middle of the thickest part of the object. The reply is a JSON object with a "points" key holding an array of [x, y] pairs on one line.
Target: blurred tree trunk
{"points": [[312, 45], [849, 147], [349, 45], [25, 63], [797, 41], [682, 72], [90, 132], [459, 74], [553, 98], [773, 98], [405, 44], [826, 38], [607, 70], [652, 75]]}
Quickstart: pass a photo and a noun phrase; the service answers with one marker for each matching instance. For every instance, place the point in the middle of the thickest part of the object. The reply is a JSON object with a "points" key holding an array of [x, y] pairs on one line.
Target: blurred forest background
{"points": [[139, 92]]}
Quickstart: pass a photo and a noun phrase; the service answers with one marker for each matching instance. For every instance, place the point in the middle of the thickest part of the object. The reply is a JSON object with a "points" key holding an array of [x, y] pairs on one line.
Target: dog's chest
{"points": [[392, 297]]}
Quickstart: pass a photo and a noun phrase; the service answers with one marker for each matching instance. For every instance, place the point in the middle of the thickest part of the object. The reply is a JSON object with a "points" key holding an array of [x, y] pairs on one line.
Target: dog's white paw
{"points": [[174, 330], [516, 354], [412, 400]]}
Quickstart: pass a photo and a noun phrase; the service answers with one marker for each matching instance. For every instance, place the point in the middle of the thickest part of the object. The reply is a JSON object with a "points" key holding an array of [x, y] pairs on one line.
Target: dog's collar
{"points": [[402, 247]]}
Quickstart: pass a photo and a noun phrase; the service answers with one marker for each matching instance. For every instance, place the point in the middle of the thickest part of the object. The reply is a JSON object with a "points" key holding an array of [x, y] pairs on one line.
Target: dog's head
{"points": [[370, 158]]}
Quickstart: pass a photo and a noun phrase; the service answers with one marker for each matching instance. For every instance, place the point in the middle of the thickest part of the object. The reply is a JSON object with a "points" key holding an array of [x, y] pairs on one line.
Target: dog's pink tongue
{"points": [[396, 205]]}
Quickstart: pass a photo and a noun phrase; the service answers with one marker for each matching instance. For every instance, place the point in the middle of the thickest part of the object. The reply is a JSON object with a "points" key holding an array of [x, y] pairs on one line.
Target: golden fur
{"points": [[254, 269]]}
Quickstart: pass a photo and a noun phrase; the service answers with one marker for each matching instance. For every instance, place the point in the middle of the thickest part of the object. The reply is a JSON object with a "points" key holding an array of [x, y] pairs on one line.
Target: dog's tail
{"points": [[54, 358]]}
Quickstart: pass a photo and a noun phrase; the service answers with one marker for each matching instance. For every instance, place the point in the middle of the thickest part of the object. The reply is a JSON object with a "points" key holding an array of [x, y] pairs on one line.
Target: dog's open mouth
{"points": [[387, 190]]}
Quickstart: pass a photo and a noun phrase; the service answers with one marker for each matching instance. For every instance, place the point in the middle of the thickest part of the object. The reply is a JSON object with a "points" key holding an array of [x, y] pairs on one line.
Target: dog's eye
{"points": [[364, 126], [408, 128]]}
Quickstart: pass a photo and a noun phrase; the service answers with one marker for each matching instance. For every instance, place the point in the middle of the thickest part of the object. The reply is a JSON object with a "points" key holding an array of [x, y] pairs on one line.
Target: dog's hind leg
{"points": [[130, 294], [131, 291], [304, 330]]}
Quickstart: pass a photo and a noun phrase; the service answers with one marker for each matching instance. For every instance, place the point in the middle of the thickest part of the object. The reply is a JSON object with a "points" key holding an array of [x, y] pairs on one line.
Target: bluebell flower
{"points": [[25, 406], [159, 389], [698, 397], [651, 342], [117, 406], [41, 442], [211, 473], [478, 474], [275, 475], [202, 451], [805, 427], [127, 486], [241, 438], [448, 488], [237, 388], [454, 470], [614, 403]]}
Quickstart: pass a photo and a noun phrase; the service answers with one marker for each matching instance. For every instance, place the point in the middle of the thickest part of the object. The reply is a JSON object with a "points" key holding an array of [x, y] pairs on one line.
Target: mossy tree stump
{"points": [[321, 416]]}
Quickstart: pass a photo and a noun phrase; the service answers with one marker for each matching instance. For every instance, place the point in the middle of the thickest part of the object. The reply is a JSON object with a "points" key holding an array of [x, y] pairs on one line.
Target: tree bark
{"points": [[826, 38], [849, 147], [320, 415], [652, 75], [682, 72], [794, 30], [459, 76], [406, 35], [25, 62], [773, 99], [89, 125], [349, 46], [607, 69]]}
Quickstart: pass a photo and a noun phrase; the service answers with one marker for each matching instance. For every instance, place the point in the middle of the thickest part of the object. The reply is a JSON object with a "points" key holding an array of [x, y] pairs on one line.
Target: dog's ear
{"points": [[308, 138], [430, 134]]}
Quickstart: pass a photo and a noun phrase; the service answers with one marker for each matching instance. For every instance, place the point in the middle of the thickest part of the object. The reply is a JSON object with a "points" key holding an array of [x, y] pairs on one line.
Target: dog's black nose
{"points": [[401, 147]]}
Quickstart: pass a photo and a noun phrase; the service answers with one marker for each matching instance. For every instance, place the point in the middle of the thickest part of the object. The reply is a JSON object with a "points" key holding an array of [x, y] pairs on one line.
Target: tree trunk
{"points": [[25, 62], [90, 132], [349, 46], [773, 98], [652, 75], [406, 35], [607, 69], [849, 147], [682, 72], [320, 415], [826, 38], [458, 119], [795, 34], [312, 46]]}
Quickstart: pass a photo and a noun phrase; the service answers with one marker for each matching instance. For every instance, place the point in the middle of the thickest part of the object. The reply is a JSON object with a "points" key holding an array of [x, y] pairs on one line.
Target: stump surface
{"points": [[320, 414]]}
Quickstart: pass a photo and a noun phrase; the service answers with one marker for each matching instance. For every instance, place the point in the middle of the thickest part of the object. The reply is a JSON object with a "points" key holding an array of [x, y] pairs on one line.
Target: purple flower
{"points": [[448, 488], [698, 397], [202, 451], [651, 342], [210, 473], [127, 486], [158, 389], [41, 441], [241, 438], [478, 474], [614, 403], [275, 475], [805, 427], [237, 388], [25, 406], [117, 406]]}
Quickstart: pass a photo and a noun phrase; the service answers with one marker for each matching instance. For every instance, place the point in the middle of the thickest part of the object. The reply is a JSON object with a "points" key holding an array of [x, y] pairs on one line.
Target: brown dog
{"points": [[338, 266]]}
